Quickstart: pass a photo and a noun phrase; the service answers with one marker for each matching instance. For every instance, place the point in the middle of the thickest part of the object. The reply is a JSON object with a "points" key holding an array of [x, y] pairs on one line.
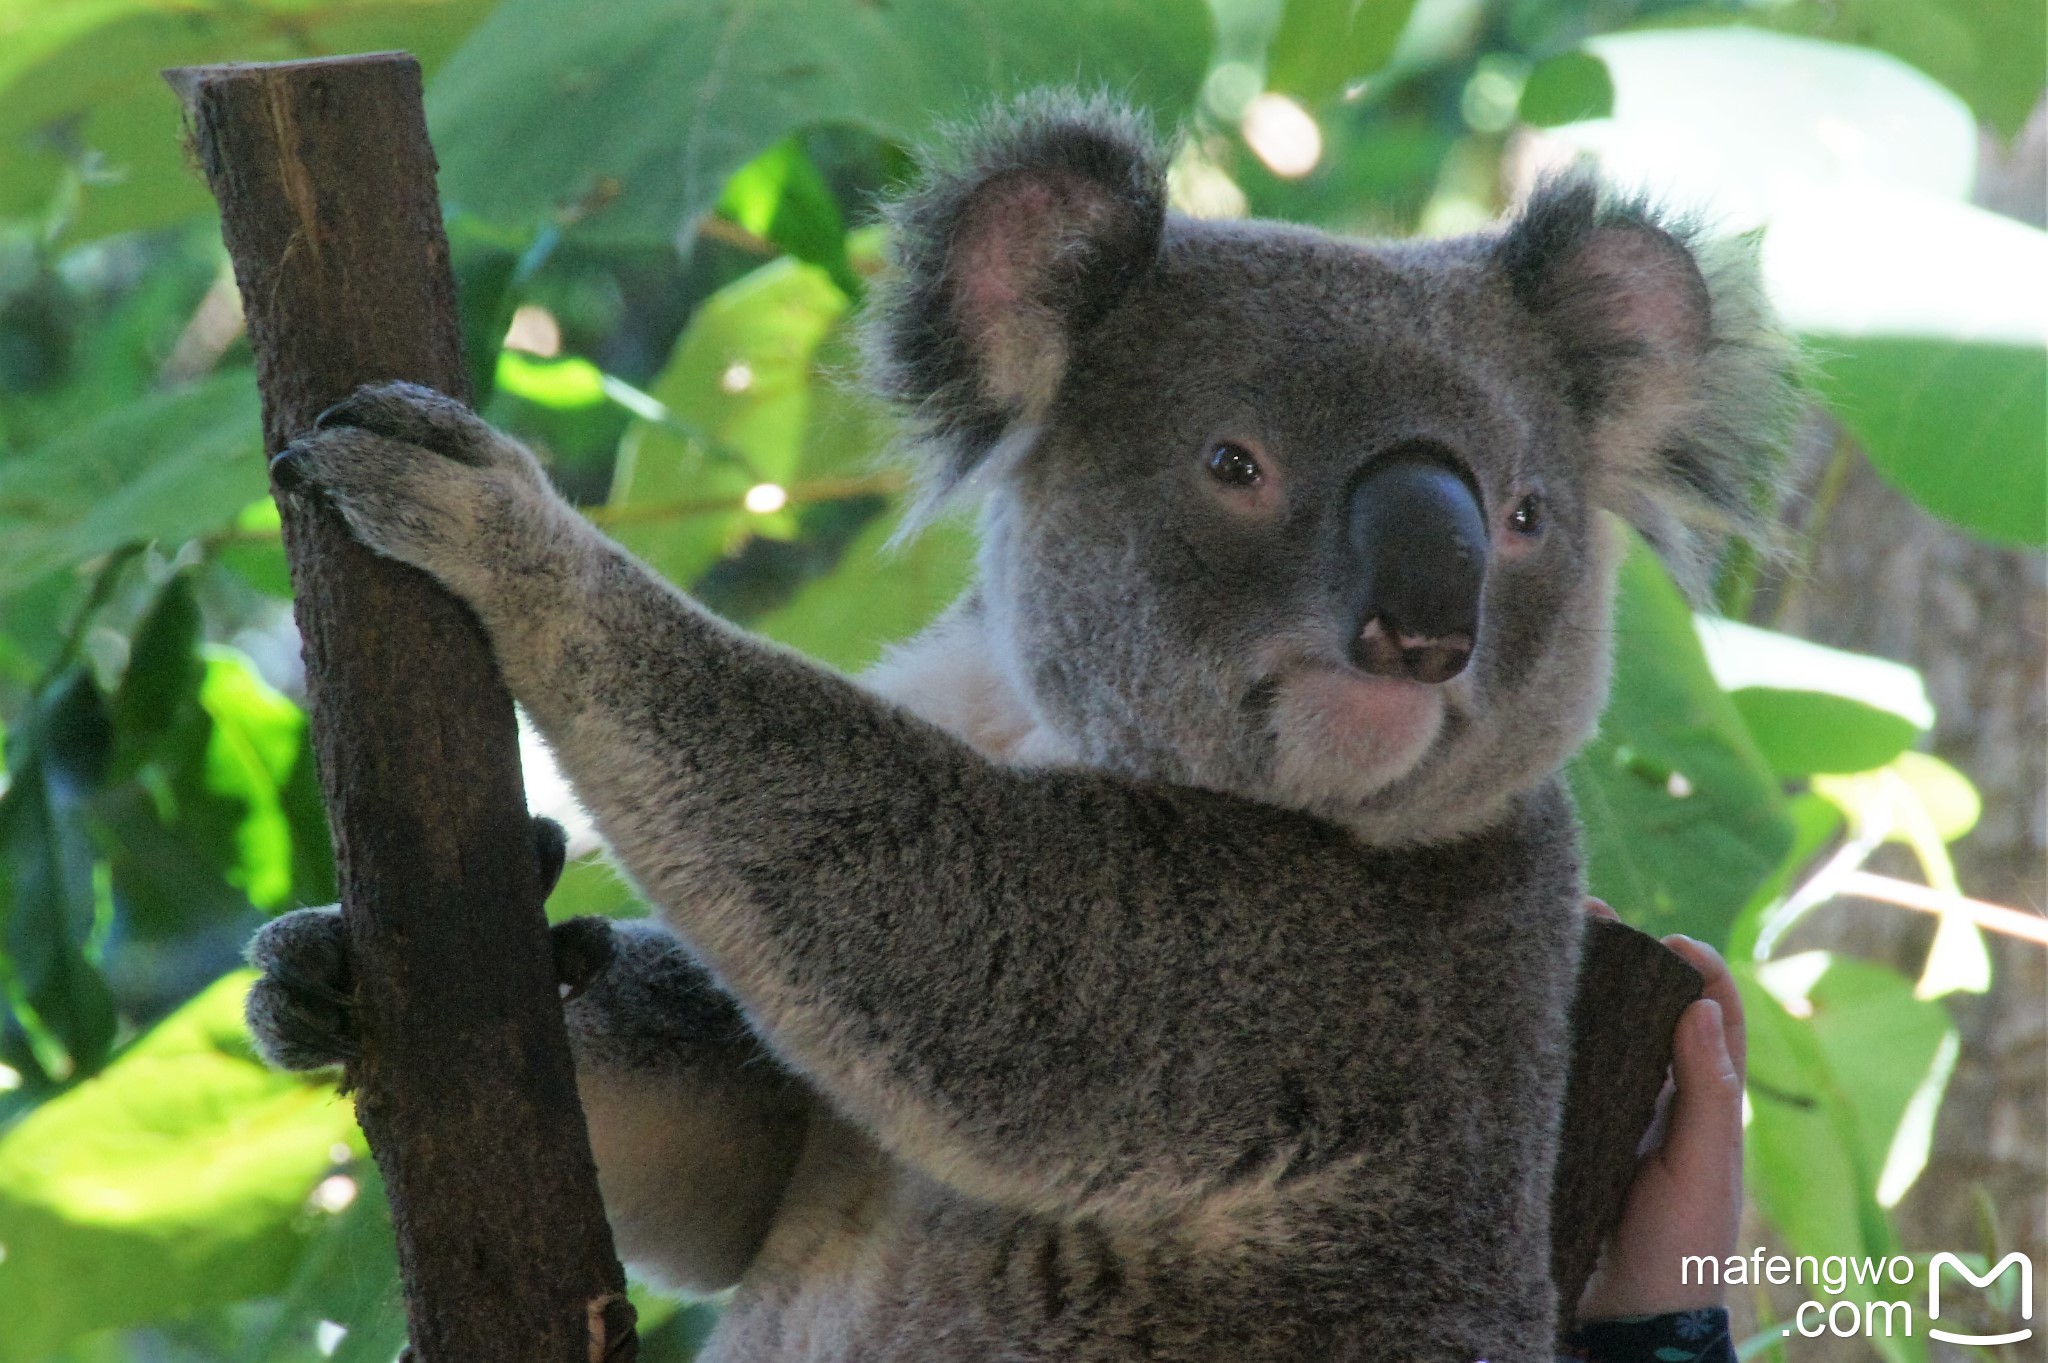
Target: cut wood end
{"points": [[187, 81]]}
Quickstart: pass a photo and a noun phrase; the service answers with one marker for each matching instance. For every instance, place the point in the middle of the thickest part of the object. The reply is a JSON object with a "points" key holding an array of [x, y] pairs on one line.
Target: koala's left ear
{"points": [[1002, 258], [1672, 359]]}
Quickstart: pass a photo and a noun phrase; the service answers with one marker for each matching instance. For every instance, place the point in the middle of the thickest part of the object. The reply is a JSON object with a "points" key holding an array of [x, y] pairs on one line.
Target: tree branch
{"points": [[465, 1088]]}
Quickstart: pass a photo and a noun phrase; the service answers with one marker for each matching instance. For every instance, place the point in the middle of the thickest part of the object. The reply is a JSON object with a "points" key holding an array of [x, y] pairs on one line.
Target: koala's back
{"points": [[1404, 1216]]}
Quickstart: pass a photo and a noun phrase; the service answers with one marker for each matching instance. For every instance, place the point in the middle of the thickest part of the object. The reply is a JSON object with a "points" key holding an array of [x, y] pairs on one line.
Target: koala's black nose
{"points": [[1418, 558]]}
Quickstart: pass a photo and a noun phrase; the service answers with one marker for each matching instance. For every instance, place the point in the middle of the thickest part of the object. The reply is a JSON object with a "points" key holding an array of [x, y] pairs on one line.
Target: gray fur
{"points": [[1113, 975]]}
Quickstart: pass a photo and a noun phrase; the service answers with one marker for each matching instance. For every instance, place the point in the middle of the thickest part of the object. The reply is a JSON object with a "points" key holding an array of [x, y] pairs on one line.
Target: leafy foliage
{"points": [[667, 204]]}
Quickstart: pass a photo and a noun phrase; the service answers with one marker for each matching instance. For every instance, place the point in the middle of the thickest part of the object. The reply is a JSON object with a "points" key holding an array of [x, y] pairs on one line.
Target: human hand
{"points": [[1687, 1194]]}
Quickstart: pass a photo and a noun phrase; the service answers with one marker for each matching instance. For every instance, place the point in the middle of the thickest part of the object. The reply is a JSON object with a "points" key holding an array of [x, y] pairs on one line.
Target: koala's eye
{"points": [[1527, 517], [1233, 465]]}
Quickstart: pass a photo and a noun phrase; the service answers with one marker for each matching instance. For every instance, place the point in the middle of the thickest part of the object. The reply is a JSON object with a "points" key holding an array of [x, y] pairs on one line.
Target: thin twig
{"points": [[2031, 927]]}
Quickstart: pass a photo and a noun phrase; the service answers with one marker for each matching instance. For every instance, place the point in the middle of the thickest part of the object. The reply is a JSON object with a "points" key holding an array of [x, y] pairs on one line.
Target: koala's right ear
{"points": [[1002, 257]]}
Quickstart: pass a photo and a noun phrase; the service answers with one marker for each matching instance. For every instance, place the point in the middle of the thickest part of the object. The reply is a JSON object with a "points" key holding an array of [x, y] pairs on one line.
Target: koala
{"points": [[1167, 954]]}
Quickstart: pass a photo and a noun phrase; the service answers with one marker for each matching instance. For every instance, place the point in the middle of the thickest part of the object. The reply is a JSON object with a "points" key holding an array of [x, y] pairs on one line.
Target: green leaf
{"points": [[175, 1179], [1811, 708], [256, 741], [80, 92], [1567, 88], [348, 1275], [628, 118], [49, 898], [1914, 790], [1322, 46], [168, 466], [1929, 343], [1841, 1053], [1962, 429], [1683, 818], [163, 672], [568, 382], [738, 391], [877, 596], [780, 196]]}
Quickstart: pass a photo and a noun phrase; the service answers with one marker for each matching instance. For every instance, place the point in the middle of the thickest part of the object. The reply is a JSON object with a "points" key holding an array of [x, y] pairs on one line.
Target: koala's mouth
{"points": [[1341, 732]]}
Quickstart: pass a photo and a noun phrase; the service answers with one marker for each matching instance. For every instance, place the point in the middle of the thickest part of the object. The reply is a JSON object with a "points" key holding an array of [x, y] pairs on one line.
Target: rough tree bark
{"points": [[465, 1086]]}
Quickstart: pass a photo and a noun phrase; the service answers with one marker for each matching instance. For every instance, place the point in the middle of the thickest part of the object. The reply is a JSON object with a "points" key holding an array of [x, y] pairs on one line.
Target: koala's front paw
{"points": [[421, 478], [301, 1012]]}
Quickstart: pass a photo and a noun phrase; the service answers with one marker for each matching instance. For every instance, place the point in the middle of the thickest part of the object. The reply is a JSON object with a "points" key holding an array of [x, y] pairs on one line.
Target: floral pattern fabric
{"points": [[1684, 1337]]}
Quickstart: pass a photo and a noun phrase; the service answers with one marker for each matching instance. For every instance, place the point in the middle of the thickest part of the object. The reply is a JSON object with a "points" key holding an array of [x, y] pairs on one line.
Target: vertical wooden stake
{"points": [[465, 1087], [1631, 990]]}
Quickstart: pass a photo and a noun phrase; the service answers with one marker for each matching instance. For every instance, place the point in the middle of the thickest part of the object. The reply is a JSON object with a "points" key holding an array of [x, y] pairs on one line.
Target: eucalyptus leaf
{"points": [[1322, 46], [1837, 1048], [738, 393], [1929, 342], [880, 594], [627, 119], [1683, 817], [1815, 709], [81, 94], [167, 466]]}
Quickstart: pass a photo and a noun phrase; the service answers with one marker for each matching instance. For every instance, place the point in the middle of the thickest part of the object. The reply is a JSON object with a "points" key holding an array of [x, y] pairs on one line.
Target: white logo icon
{"points": [[2026, 1266]]}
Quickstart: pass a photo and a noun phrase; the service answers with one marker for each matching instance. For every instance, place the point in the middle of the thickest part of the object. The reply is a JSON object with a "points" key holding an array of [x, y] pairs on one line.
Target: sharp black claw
{"points": [[286, 474], [551, 849], [583, 948]]}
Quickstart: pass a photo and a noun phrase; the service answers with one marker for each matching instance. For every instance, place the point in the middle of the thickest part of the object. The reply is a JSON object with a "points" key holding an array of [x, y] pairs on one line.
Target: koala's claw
{"points": [[418, 416], [583, 948], [551, 850]]}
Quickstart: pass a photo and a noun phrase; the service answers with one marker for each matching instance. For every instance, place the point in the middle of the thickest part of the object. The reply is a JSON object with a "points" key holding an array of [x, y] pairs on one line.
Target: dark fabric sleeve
{"points": [[1685, 1337]]}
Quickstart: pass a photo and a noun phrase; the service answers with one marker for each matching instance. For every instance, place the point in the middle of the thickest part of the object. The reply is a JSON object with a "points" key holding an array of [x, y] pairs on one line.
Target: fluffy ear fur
{"points": [[1003, 255], [1673, 359]]}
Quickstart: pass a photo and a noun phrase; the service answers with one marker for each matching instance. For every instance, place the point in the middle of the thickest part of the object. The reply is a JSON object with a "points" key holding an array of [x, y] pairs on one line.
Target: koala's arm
{"points": [[694, 1128], [1017, 981]]}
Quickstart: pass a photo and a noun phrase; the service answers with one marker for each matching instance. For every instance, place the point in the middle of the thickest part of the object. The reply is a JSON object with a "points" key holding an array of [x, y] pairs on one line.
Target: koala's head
{"points": [[1317, 521]]}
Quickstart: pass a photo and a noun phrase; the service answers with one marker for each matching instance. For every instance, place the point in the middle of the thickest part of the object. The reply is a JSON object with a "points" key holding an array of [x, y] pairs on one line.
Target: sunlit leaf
{"points": [[781, 197], [551, 383], [1322, 46], [256, 740], [1929, 342], [1837, 1049], [1812, 708], [1994, 53], [176, 1178], [628, 118], [740, 388], [1683, 818], [1912, 788]]}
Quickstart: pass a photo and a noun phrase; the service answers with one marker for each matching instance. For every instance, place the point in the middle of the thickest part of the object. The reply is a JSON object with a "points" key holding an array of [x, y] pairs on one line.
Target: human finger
{"points": [[1719, 985]]}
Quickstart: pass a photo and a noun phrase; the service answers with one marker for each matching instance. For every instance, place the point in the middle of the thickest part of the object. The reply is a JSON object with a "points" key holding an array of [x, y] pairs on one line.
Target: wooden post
{"points": [[1631, 990], [465, 1086]]}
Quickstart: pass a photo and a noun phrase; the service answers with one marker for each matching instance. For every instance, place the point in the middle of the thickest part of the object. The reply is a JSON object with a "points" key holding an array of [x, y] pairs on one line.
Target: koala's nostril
{"points": [[1383, 650]]}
